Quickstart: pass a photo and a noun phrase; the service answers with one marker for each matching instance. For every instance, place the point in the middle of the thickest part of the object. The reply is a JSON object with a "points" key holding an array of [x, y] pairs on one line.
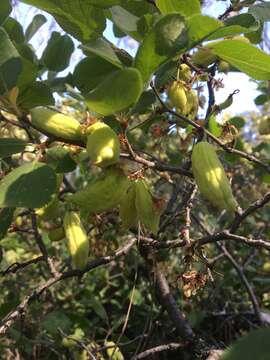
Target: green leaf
{"points": [[261, 11], [167, 39], [199, 27], [54, 320], [256, 36], [28, 186], [79, 18], [9, 146], [28, 74], [214, 127], [166, 73], [98, 308], [265, 178], [10, 63], [14, 30], [5, 10], [36, 94], [144, 103], [59, 158], [103, 48], [38, 21], [183, 7], [90, 72], [105, 3], [240, 24], [117, 92], [137, 8], [58, 52], [6, 216], [261, 99], [237, 121], [245, 57], [255, 345], [125, 21]]}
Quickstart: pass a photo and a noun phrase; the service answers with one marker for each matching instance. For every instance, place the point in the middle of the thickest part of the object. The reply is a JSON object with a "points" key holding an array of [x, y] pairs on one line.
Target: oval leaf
{"points": [[28, 186], [58, 45], [244, 57], [185, 8], [255, 345], [91, 71], [117, 92], [6, 216], [167, 39], [9, 146]]}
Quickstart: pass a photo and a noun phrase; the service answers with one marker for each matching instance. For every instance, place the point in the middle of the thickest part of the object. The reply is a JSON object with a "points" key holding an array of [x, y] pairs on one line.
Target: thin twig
{"points": [[238, 269], [20, 310], [226, 235], [252, 208], [157, 165], [230, 150], [42, 246], [242, 276], [157, 349], [13, 268]]}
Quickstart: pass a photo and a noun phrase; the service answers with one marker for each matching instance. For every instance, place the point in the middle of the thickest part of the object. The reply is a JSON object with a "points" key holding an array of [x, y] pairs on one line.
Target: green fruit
{"points": [[184, 73], [192, 106], [103, 145], [146, 210], [72, 340], [81, 355], [56, 124], [56, 234], [224, 66], [211, 178], [264, 126], [128, 211], [177, 96], [77, 240], [114, 352], [104, 194]]}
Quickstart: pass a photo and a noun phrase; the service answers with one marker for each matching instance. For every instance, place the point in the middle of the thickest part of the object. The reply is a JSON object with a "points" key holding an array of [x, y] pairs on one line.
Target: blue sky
{"points": [[243, 101]]}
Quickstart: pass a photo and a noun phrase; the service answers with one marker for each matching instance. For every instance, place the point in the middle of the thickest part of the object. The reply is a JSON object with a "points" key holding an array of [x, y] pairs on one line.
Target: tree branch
{"points": [[226, 235], [252, 208], [157, 349], [20, 310], [238, 269], [168, 302], [242, 154]]}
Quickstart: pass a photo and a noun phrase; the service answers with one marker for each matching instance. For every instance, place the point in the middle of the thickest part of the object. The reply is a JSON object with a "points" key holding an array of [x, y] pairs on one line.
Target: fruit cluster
{"points": [[181, 96], [113, 188]]}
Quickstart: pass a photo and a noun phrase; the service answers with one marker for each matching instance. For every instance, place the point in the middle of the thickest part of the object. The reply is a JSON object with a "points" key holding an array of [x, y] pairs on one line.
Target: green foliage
{"points": [[5, 10], [21, 187], [82, 20], [6, 215], [252, 346], [245, 57], [10, 63], [117, 92], [167, 39], [11, 146], [58, 45]]}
